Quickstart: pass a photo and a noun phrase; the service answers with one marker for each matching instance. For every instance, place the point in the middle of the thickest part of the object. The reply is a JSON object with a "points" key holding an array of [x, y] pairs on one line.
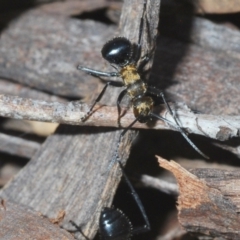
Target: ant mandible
{"points": [[125, 57], [115, 225]]}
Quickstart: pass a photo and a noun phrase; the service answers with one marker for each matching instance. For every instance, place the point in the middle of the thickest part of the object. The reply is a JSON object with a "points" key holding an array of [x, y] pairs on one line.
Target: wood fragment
{"points": [[203, 207], [59, 218], [197, 62], [226, 181], [16, 89], [73, 7], [218, 7], [18, 146], [21, 223], [48, 61]]}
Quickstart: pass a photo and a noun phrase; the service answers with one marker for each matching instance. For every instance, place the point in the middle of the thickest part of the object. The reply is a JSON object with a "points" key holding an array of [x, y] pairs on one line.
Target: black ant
{"points": [[125, 57], [115, 225]]}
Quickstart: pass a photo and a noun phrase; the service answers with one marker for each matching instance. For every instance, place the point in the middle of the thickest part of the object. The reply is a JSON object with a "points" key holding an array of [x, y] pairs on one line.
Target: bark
{"points": [[216, 127], [208, 201], [20, 222]]}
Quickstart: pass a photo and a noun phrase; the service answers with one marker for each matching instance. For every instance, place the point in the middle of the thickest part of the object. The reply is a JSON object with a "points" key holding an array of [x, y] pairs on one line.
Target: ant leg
{"points": [[98, 73], [158, 93], [146, 227], [145, 59], [182, 132], [78, 229], [115, 157], [120, 97], [115, 84]]}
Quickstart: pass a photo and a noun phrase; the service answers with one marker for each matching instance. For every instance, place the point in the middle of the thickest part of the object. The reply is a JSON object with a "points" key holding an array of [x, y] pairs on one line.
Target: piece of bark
{"points": [[73, 7], [168, 185], [45, 57], [21, 223], [10, 9], [70, 171], [16, 89], [226, 181], [28, 129], [76, 8], [8, 171], [188, 164], [208, 204], [217, 7], [216, 127], [18, 146], [208, 6], [197, 62]]}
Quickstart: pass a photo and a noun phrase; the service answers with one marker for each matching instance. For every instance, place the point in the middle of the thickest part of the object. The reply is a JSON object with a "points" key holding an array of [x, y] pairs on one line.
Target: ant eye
{"points": [[118, 51]]}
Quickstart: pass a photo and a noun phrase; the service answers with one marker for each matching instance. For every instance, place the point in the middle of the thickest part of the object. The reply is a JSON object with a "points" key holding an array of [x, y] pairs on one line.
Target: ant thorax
{"points": [[129, 74]]}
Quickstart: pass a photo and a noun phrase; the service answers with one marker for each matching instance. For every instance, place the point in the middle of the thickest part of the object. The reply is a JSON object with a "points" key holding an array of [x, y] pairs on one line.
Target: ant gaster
{"points": [[124, 57], [115, 225]]}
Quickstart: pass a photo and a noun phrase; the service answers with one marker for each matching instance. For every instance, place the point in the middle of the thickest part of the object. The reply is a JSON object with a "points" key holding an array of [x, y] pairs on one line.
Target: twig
{"points": [[175, 233], [161, 185], [215, 127], [18, 146]]}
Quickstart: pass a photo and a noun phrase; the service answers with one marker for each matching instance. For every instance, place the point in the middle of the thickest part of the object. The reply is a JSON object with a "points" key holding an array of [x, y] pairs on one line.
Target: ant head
{"points": [[118, 51], [113, 224]]}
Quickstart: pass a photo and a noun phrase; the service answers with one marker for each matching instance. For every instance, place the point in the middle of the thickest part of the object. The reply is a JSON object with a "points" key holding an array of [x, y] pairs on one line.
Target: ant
{"points": [[125, 57], [115, 225]]}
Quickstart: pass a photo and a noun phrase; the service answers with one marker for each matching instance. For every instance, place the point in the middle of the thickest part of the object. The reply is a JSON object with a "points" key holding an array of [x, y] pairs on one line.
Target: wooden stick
{"points": [[217, 127]]}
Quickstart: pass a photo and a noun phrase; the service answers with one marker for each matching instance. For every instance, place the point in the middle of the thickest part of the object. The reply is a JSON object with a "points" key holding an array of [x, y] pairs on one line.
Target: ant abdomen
{"points": [[142, 107], [114, 225], [118, 51]]}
